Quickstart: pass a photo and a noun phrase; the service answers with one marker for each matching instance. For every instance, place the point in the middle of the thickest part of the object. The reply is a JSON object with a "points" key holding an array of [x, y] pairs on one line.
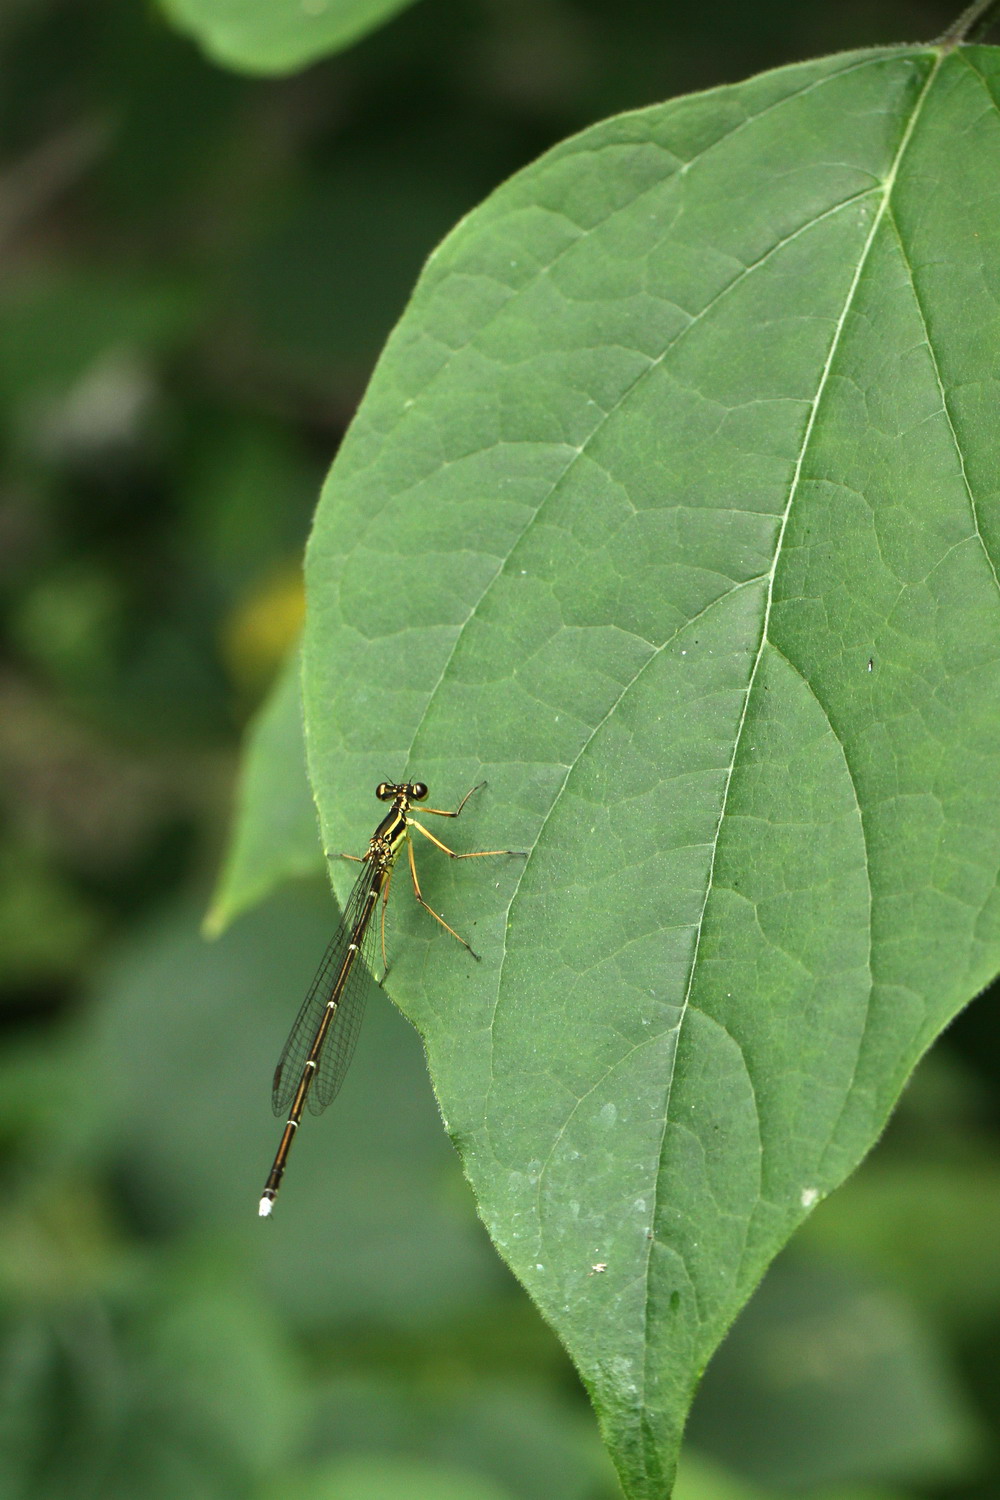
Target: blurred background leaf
{"points": [[827, 1378], [277, 36]]}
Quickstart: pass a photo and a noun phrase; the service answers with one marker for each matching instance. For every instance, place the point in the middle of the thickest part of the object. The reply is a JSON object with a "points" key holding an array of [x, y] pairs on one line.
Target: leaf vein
{"points": [[959, 451], [578, 453]]}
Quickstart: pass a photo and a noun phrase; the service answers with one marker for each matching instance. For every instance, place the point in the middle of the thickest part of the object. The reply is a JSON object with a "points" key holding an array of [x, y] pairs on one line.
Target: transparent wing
{"points": [[338, 1049], [342, 1033]]}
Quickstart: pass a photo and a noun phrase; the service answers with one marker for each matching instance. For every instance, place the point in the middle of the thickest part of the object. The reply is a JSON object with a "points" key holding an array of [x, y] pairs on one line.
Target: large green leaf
{"points": [[277, 36], [670, 511]]}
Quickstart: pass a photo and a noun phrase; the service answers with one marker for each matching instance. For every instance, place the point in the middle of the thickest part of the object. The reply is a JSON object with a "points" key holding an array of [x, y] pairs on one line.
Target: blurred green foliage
{"points": [[277, 36], [198, 272]]}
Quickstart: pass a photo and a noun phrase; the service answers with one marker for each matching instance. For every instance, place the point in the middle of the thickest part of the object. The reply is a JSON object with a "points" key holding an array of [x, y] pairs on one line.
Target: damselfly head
{"points": [[388, 791]]}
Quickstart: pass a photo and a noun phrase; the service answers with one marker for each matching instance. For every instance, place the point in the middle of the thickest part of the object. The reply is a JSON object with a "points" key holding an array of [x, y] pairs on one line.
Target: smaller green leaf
{"points": [[275, 836], [277, 36]]}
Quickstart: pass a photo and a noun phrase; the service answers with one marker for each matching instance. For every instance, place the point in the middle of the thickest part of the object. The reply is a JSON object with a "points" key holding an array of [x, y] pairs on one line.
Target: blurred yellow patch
{"points": [[262, 629]]}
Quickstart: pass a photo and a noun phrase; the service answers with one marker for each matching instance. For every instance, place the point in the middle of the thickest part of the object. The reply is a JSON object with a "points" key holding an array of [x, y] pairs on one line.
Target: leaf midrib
{"points": [[887, 189], [657, 649]]}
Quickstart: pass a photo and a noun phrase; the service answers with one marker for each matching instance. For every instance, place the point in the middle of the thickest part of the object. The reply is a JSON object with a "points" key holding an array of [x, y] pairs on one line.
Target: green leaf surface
{"points": [[277, 36], [275, 836], [671, 512]]}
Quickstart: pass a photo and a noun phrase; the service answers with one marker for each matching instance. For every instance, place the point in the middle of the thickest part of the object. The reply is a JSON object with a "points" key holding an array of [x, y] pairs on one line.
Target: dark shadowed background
{"points": [[197, 271]]}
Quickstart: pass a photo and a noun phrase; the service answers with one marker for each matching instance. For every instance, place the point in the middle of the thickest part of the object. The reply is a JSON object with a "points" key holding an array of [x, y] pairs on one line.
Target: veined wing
{"points": [[342, 1032]]}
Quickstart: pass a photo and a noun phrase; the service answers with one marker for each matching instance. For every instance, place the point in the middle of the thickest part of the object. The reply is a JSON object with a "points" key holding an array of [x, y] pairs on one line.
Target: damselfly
{"points": [[321, 1042]]}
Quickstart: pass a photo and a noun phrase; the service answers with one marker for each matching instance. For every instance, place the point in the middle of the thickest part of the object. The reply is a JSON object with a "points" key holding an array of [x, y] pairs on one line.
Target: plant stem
{"points": [[974, 21]]}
